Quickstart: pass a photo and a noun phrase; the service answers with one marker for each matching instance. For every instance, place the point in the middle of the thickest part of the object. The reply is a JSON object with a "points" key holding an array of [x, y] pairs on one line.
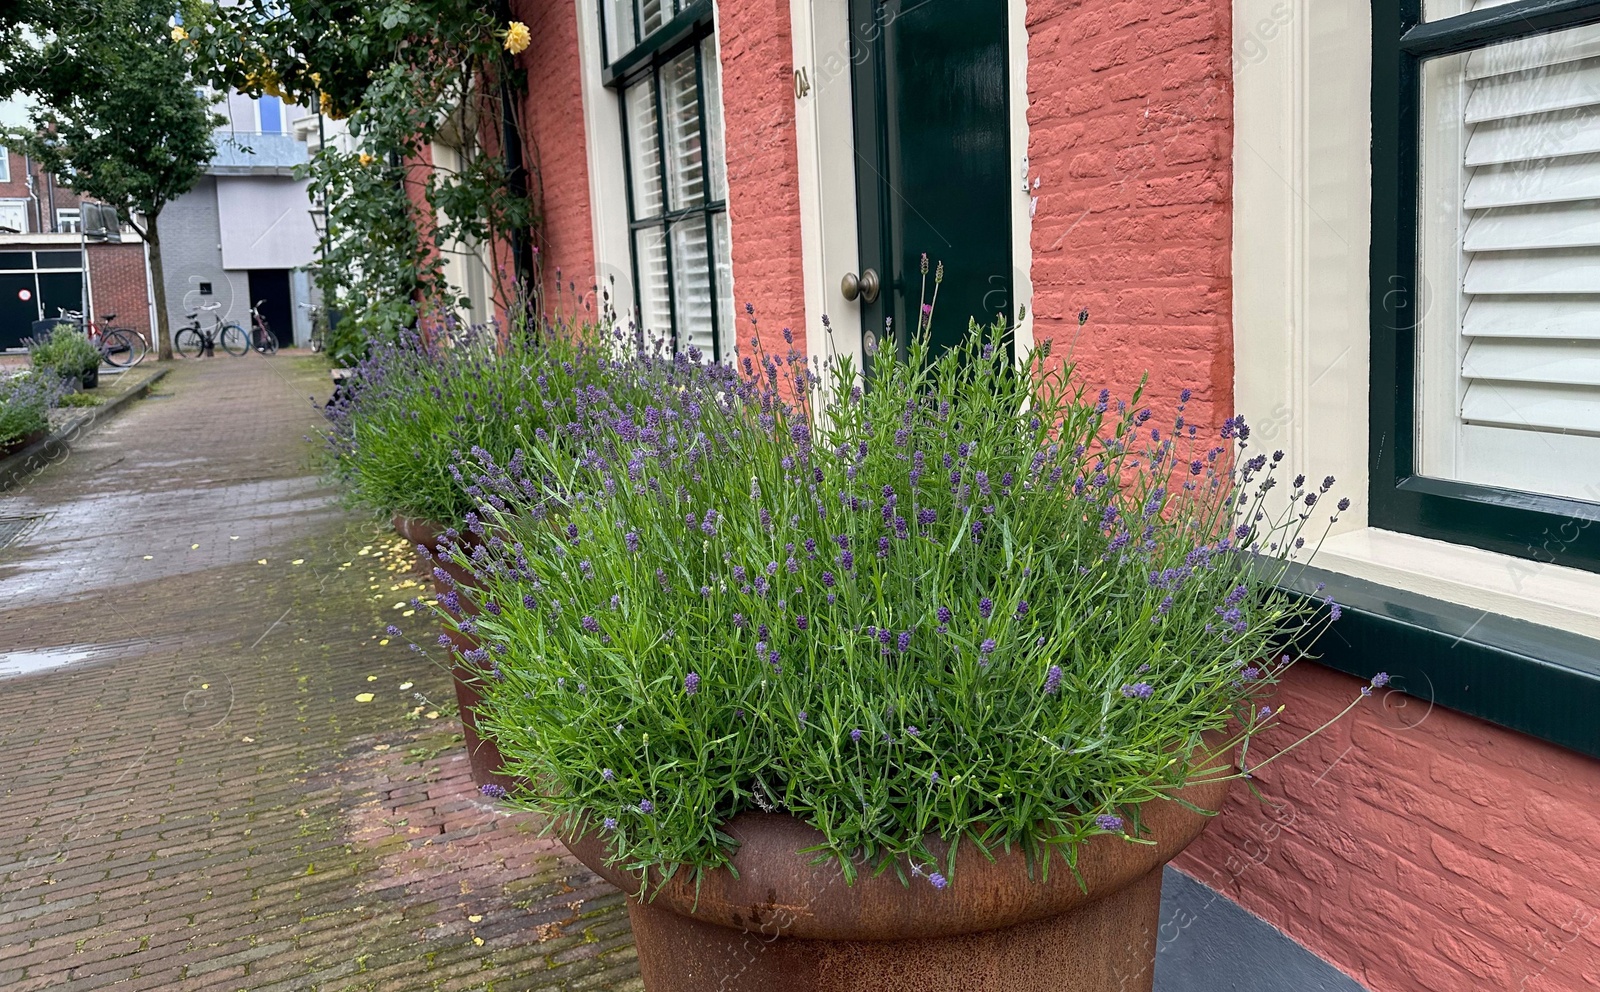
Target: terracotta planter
{"points": [[788, 925], [481, 752]]}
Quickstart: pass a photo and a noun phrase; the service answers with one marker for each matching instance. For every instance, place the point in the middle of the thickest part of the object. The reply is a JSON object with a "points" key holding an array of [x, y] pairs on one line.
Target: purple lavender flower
{"points": [[801, 622], [590, 624], [802, 716], [392, 630], [493, 791], [609, 823], [646, 806], [985, 607], [1052, 680], [937, 880], [1022, 609], [607, 774], [943, 613], [828, 580], [691, 683], [1108, 821], [855, 735], [1138, 690], [631, 538], [529, 602], [987, 647]]}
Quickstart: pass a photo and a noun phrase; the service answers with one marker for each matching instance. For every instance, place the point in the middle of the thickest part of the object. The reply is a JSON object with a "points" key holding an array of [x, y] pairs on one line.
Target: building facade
{"points": [[244, 234], [1367, 225], [46, 268]]}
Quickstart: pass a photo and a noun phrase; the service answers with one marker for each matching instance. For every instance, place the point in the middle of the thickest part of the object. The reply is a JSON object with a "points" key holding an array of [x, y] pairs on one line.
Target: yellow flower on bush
{"points": [[518, 38], [179, 34], [366, 159]]}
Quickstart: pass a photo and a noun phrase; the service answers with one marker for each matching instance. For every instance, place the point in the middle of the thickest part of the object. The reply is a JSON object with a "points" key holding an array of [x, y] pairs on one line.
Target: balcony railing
{"points": [[245, 153]]}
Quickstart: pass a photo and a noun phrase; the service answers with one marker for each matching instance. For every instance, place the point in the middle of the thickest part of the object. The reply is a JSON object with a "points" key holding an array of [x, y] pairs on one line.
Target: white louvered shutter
{"points": [[1511, 366]]}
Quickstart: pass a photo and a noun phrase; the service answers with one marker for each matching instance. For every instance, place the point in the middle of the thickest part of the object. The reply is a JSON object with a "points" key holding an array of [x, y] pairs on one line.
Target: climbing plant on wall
{"points": [[402, 76]]}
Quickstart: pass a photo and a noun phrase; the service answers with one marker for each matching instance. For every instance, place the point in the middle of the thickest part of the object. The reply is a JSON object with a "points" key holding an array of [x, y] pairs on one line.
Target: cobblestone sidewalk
{"points": [[194, 797]]}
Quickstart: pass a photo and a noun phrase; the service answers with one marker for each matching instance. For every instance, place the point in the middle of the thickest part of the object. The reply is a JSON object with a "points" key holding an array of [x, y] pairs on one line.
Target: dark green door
{"points": [[932, 164]]}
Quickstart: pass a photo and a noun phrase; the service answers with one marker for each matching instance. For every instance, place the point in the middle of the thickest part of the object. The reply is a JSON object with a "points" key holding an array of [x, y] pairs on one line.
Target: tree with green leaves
{"points": [[117, 114], [403, 75]]}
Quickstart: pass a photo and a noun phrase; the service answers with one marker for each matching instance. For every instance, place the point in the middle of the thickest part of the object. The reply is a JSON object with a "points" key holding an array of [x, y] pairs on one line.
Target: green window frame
{"points": [[1547, 529], [660, 60]]}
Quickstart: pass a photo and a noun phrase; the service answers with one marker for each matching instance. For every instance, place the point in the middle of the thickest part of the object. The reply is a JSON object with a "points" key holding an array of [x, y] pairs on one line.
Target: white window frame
{"points": [[5, 164]]}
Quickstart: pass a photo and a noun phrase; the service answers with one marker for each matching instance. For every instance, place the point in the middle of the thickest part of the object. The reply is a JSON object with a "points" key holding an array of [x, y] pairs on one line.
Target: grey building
{"points": [[244, 234]]}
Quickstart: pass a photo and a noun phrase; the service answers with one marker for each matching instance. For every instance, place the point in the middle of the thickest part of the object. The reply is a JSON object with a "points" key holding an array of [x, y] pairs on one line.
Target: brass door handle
{"points": [[864, 286]]}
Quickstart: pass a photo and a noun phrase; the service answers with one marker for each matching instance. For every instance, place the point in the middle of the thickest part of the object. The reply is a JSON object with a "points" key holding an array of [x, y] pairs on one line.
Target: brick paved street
{"points": [[193, 796]]}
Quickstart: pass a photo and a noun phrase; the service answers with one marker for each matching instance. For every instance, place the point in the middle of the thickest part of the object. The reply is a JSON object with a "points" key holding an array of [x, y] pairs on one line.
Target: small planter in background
{"points": [[485, 757], [90, 379]]}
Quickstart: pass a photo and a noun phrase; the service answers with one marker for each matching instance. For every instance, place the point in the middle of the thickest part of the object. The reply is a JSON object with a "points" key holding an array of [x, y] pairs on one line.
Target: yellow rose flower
{"points": [[179, 34], [366, 159], [518, 38]]}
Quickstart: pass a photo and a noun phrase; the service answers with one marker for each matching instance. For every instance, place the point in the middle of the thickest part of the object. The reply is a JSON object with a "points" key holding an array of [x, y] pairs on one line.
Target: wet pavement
{"points": [[197, 792]]}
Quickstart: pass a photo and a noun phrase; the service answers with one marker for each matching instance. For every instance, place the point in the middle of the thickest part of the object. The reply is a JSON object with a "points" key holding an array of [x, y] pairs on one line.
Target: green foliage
{"points": [[414, 408], [64, 351], [405, 74], [79, 400], [116, 112], [25, 403], [965, 601]]}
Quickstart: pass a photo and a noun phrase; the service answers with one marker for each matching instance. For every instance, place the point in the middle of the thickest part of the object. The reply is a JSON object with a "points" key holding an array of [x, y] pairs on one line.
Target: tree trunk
{"points": [[158, 278]]}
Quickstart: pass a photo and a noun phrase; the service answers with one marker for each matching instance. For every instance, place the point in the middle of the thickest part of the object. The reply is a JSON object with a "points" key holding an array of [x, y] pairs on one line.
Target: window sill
{"points": [[1535, 591], [1494, 637]]}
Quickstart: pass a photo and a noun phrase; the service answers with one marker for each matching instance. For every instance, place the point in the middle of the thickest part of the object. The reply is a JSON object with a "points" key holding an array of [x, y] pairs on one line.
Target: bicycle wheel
{"points": [[234, 341], [188, 343], [122, 347], [266, 342]]}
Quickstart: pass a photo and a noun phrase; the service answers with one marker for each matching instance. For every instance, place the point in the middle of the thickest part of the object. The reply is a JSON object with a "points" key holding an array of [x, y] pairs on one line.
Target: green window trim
{"points": [[1533, 679], [1526, 525]]}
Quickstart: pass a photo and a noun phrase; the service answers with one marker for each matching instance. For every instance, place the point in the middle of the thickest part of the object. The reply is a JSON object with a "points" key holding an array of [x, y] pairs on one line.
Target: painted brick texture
{"points": [[757, 58], [1417, 849], [116, 273], [552, 116], [1130, 122]]}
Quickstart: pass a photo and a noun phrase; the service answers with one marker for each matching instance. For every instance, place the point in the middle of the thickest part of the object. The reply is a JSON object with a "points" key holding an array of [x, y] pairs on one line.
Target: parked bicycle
{"points": [[261, 337], [318, 339], [120, 347], [194, 340]]}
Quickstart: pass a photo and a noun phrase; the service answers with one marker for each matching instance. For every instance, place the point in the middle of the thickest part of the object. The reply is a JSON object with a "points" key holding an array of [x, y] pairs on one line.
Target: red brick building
{"points": [[1364, 224], [42, 261]]}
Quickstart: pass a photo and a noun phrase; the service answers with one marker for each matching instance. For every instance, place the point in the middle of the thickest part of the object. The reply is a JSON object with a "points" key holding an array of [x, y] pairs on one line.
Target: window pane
{"points": [[619, 28], [644, 149], [681, 104], [691, 284], [650, 252], [711, 73], [725, 325], [271, 110], [1508, 364]]}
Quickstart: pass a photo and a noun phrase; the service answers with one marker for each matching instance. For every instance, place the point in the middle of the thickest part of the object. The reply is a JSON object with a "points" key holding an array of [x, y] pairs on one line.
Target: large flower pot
{"points": [[481, 752], [786, 924]]}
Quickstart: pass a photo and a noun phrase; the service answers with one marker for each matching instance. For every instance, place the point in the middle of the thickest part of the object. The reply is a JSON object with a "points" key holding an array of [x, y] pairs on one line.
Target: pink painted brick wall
{"points": [[555, 146], [1130, 124], [1418, 850], [757, 58]]}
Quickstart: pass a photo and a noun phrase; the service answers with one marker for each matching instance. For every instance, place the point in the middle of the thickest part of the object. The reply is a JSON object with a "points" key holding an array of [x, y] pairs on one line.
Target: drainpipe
{"points": [[516, 168], [33, 191]]}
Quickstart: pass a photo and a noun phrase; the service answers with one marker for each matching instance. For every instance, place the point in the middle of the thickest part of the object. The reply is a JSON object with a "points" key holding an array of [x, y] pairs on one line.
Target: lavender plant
{"points": [[956, 598], [25, 404], [415, 405]]}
